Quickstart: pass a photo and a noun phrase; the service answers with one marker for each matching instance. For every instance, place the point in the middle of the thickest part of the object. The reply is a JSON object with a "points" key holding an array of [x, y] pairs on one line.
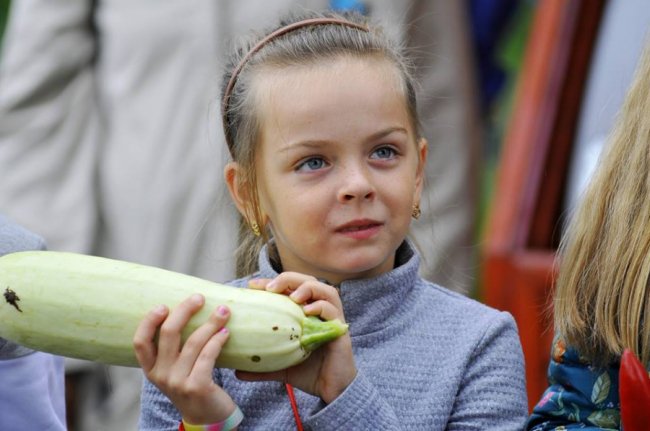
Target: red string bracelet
{"points": [[294, 406]]}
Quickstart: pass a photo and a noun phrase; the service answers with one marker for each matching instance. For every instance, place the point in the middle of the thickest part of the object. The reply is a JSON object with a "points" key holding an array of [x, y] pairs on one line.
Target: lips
{"points": [[358, 225]]}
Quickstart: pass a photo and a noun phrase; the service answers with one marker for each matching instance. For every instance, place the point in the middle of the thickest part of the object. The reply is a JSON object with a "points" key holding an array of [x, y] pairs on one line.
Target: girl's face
{"points": [[338, 166]]}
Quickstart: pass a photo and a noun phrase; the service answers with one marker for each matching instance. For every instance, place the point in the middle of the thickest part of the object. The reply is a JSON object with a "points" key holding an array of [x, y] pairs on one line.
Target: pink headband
{"points": [[283, 30]]}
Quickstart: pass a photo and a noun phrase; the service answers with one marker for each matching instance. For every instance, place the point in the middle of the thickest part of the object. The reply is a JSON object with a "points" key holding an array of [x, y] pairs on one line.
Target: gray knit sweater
{"points": [[427, 359]]}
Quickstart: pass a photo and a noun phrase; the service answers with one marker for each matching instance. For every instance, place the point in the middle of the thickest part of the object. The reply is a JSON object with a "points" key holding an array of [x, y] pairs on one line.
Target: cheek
{"points": [[294, 213], [401, 193], [306, 209]]}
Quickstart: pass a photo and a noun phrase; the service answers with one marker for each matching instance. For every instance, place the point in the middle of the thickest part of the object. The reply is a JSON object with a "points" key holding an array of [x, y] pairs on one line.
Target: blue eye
{"points": [[311, 164], [383, 153]]}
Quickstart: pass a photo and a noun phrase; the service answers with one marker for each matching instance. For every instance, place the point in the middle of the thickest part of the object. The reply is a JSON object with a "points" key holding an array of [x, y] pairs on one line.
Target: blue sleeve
{"points": [[32, 393], [492, 395], [493, 392], [579, 396], [14, 238], [157, 413], [360, 403]]}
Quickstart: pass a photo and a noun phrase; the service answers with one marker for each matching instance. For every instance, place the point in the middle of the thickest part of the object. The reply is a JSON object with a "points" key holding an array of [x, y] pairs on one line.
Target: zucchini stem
{"points": [[316, 332]]}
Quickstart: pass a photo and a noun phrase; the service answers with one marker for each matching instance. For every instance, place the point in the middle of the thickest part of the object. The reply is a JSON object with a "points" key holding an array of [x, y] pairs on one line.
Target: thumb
{"points": [[258, 283]]}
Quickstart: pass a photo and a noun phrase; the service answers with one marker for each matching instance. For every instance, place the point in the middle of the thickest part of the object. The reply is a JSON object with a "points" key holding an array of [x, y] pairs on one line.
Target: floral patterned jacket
{"points": [[579, 396]]}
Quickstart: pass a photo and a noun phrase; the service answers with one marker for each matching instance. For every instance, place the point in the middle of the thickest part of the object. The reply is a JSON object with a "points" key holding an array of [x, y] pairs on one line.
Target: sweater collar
{"points": [[368, 304]]}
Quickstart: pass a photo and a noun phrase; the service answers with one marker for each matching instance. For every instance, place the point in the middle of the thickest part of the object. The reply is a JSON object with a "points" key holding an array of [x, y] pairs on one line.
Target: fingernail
{"points": [[224, 330], [160, 309], [294, 295], [197, 298], [272, 285], [222, 310]]}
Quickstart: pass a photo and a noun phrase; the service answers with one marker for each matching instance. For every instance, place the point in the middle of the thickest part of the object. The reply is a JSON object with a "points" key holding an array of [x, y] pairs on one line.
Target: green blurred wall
{"points": [[4, 11]]}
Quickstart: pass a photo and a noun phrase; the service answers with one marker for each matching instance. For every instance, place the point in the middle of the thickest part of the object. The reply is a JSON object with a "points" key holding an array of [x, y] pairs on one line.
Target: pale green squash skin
{"points": [[88, 307]]}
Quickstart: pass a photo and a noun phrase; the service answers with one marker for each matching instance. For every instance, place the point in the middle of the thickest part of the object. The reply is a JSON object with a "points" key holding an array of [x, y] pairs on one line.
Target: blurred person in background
{"points": [[104, 130]]}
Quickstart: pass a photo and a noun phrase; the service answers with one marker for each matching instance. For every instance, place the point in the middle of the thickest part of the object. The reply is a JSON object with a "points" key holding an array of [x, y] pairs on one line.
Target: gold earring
{"points": [[255, 228], [415, 213]]}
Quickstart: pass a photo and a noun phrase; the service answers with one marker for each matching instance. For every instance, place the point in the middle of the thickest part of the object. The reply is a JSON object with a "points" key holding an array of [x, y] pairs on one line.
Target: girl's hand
{"points": [[185, 375], [329, 369]]}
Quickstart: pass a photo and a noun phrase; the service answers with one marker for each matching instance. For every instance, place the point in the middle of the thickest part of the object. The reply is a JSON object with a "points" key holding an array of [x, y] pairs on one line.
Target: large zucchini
{"points": [[88, 307]]}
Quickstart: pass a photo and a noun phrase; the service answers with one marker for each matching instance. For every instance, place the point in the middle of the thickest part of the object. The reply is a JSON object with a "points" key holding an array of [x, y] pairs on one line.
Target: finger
{"points": [[143, 339], [206, 359], [169, 340], [314, 290], [287, 282], [196, 342], [258, 283], [323, 309]]}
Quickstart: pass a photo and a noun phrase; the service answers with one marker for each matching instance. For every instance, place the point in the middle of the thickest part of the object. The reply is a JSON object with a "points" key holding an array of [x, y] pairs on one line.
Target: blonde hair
{"points": [[309, 44], [601, 303]]}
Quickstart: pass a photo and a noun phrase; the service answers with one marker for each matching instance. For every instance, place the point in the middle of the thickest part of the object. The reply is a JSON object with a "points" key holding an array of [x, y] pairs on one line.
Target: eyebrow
{"points": [[317, 143]]}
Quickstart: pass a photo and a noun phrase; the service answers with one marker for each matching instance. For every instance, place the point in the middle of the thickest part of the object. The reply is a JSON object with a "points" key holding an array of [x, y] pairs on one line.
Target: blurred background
{"points": [[110, 141]]}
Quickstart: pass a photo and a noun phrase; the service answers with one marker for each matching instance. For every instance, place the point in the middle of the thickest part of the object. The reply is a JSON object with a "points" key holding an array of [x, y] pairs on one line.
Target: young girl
{"points": [[602, 301], [320, 120]]}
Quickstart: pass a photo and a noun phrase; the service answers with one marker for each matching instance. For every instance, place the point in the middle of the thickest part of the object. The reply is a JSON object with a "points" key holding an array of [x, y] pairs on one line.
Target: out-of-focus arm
{"points": [[438, 37], [48, 120]]}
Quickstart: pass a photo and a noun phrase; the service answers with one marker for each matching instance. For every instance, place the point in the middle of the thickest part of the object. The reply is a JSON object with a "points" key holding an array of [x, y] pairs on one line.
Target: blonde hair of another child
{"points": [[601, 303]]}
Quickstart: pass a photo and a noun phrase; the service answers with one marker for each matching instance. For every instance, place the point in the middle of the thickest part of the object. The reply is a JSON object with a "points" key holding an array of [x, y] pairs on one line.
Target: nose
{"points": [[356, 184]]}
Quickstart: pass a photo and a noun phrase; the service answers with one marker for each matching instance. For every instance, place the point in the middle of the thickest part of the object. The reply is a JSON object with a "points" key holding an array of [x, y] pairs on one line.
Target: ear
{"points": [[239, 192], [423, 147]]}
